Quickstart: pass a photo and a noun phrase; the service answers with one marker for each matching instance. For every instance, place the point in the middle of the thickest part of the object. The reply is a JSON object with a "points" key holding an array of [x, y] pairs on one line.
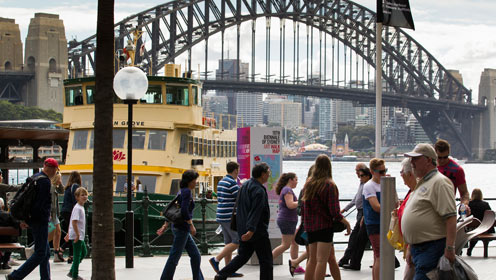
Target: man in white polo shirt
{"points": [[429, 219]]}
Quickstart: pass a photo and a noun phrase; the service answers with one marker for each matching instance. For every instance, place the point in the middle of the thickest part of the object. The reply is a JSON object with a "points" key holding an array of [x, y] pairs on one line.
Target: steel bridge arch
{"points": [[408, 68]]}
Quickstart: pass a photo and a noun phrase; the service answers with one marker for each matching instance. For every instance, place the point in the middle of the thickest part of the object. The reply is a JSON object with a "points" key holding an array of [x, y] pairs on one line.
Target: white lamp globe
{"points": [[130, 83]]}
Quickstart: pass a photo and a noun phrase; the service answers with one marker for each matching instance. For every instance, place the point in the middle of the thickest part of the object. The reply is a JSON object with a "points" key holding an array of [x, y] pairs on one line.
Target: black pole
{"points": [[129, 212]]}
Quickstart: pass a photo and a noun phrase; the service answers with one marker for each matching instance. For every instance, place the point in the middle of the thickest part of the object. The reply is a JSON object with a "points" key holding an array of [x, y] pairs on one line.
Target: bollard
{"points": [[203, 244], [388, 203], [146, 251]]}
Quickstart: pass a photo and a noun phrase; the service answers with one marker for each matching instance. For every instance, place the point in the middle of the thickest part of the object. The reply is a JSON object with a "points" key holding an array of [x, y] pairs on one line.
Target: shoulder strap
{"points": [[237, 199]]}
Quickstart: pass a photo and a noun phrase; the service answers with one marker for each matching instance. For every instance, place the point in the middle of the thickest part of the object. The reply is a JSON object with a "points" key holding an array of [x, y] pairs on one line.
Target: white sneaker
{"points": [[29, 251]]}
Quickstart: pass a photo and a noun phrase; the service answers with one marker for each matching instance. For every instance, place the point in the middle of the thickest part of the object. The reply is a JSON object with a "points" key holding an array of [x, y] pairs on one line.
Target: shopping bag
{"points": [[394, 235]]}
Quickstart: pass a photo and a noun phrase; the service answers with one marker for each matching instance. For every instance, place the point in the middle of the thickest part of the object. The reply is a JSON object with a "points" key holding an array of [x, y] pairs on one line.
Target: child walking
{"points": [[76, 232]]}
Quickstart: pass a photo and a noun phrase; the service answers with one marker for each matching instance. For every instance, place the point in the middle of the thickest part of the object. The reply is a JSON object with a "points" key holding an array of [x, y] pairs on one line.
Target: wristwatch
{"points": [[450, 248]]}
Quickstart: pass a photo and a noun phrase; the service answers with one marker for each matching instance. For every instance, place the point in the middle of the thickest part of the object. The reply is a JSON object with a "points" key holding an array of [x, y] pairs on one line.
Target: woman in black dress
{"points": [[478, 207]]}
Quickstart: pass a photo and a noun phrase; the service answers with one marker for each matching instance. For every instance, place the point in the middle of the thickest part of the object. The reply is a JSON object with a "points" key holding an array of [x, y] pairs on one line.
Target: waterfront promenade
{"points": [[151, 268]]}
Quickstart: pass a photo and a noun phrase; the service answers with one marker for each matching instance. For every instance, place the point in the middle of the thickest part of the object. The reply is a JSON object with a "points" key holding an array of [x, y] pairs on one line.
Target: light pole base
{"points": [[129, 239]]}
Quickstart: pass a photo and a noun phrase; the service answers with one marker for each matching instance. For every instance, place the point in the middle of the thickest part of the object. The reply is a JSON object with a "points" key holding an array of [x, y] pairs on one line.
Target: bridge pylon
{"points": [[484, 134]]}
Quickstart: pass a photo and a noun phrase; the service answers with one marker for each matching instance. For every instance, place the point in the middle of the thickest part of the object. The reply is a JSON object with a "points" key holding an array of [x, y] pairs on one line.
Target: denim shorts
{"points": [[287, 227], [230, 236]]}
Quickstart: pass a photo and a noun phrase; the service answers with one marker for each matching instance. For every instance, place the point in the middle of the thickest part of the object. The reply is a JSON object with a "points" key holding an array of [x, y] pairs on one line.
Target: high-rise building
{"points": [[249, 107], [325, 119], [228, 70], [284, 113]]}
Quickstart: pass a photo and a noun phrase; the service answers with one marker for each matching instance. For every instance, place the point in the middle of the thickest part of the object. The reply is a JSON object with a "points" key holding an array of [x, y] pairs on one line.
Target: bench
{"points": [[10, 246], [486, 238]]}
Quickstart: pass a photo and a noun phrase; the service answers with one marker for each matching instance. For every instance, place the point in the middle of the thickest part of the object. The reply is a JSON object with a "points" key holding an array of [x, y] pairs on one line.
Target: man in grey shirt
{"points": [[358, 238]]}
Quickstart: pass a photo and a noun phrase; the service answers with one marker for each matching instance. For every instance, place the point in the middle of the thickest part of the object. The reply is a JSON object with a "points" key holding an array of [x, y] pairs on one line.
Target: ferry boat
{"points": [[170, 135]]}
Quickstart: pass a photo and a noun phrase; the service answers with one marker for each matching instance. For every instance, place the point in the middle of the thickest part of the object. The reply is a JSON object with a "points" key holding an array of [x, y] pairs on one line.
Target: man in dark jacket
{"points": [[40, 214], [252, 220]]}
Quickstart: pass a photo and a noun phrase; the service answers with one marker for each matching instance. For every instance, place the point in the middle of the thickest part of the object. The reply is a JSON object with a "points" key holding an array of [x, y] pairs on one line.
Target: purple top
{"points": [[284, 212]]}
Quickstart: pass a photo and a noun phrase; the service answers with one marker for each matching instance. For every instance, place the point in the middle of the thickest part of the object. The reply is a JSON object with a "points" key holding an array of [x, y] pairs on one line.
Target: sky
{"points": [[460, 34]]}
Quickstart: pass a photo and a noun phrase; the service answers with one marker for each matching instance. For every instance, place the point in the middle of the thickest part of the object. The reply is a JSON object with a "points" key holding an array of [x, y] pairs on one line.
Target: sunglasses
{"points": [[362, 175], [445, 157], [382, 172]]}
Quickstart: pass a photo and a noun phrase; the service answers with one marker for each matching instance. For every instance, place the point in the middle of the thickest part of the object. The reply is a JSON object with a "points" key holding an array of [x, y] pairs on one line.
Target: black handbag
{"points": [[172, 211], [337, 226], [300, 237]]}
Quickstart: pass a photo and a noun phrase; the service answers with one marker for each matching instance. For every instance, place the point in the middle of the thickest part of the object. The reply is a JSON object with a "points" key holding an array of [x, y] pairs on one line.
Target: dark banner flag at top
{"points": [[396, 13]]}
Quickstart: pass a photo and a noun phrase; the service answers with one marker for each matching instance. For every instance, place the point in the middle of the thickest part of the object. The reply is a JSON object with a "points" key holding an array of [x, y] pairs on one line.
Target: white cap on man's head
{"points": [[423, 149]]}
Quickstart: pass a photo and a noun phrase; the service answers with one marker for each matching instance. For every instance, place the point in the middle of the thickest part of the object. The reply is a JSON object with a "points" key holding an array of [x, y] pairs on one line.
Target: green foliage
{"points": [[360, 138], [20, 112]]}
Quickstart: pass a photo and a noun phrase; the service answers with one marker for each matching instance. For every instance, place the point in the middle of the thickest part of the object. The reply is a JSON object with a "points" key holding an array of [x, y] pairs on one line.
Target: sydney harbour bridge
{"points": [[298, 47]]}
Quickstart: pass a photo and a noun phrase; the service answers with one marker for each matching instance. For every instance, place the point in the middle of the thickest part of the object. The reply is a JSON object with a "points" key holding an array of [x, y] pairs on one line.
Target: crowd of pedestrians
{"points": [[426, 218]]}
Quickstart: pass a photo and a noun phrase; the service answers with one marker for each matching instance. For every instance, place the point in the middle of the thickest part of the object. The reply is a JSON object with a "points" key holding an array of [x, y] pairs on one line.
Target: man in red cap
{"points": [[38, 222]]}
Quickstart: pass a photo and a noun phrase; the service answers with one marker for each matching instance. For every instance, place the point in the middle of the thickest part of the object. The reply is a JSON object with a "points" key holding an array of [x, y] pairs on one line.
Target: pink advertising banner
{"points": [[244, 152]]}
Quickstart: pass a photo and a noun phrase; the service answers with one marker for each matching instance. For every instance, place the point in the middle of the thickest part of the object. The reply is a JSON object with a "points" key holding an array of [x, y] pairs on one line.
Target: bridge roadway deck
{"points": [[151, 268]]}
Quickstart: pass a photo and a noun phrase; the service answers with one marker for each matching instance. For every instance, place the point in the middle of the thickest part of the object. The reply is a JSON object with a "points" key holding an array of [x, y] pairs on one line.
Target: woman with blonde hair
{"points": [[477, 206], [320, 209]]}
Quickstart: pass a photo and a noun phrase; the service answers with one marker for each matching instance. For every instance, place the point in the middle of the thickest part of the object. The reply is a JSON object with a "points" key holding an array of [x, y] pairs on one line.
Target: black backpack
{"points": [[20, 205]]}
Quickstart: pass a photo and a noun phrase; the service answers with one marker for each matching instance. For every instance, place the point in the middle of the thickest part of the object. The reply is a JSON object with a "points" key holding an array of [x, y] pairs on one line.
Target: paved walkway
{"points": [[151, 268]]}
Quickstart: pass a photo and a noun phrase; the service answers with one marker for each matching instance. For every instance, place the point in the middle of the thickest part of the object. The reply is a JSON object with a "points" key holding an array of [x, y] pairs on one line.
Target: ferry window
{"points": [[174, 186], [209, 148], [195, 146], [196, 95], [183, 145], [90, 94], [190, 145], [153, 95], [229, 147], [139, 139], [221, 147], [73, 96], [118, 136], [92, 138], [87, 181], [121, 184], [149, 182], [200, 147], [80, 140], [205, 147], [177, 95], [235, 149], [157, 139]]}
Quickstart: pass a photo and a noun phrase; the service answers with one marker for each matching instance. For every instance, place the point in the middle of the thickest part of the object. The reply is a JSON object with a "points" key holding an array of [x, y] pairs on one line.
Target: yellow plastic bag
{"points": [[394, 235]]}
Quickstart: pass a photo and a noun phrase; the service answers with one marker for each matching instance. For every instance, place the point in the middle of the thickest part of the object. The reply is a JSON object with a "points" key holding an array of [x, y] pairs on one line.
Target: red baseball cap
{"points": [[51, 162]]}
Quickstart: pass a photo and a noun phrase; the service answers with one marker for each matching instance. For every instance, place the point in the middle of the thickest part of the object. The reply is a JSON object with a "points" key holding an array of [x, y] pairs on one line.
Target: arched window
{"points": [[8, 66], [52, 65], [31, 63]]}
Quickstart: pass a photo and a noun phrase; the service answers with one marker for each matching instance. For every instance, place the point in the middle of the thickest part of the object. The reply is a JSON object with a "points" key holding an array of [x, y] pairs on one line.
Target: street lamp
{"points": [[130, 84]]}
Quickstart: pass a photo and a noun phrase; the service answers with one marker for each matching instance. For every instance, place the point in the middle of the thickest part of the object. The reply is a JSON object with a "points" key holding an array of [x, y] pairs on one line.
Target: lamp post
{"points": [[130, 84]]}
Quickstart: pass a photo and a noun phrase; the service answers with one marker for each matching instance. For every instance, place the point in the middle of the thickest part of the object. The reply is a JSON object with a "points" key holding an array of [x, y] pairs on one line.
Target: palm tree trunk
{"points": [[103, 253]]}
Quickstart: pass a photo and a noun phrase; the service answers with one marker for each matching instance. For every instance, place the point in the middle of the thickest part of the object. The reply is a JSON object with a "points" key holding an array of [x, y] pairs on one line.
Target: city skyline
{"points": [[454, 32]]}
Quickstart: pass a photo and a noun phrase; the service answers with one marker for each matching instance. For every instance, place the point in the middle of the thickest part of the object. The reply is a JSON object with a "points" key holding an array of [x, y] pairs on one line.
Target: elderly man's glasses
{"points": [[445, 157], [382, 172]]}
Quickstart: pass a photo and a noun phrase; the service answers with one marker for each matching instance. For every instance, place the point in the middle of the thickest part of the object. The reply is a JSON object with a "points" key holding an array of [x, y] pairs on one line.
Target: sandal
{"points": [[69, 260], [60, 254], [291, 268]]}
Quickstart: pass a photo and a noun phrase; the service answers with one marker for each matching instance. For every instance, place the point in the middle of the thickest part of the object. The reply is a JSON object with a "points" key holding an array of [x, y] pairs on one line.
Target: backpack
{"points": [[20, 205]]}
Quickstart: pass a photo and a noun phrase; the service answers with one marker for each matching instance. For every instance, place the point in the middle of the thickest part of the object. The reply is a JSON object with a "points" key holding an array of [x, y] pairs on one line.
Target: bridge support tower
{"points": [[46, 56], [484, 134]]}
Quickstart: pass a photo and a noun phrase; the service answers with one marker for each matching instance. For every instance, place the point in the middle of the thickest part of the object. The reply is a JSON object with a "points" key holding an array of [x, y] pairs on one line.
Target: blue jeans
{"points": [[182, 240], [41, 255], [426, 256]]}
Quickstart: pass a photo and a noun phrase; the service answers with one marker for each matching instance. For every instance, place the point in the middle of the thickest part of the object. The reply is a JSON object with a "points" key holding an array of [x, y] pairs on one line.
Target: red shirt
{"points": [[319, 212], [402, 208], [454, 172]]}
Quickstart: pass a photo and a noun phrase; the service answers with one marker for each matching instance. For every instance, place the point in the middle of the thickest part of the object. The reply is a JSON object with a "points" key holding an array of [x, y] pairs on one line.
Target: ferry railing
{"points": [[160, 244]]}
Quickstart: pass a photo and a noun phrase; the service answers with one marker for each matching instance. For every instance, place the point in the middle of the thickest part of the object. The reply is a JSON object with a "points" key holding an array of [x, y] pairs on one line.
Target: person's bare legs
{"points": [[296, 262], [226, 253], [287, 240], [56, 237], [333, 265], [311, 262], [322, 256], [293, 251], [376, 269]]}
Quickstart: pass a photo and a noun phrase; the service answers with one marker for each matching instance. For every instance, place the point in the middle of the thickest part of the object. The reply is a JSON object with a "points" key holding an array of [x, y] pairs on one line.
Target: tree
{"points": [[20, 112], [103, 261]]}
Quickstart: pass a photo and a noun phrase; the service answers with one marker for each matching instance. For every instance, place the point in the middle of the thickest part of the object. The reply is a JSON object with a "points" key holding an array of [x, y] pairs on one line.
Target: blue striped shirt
{"points": [[227, 190]]}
